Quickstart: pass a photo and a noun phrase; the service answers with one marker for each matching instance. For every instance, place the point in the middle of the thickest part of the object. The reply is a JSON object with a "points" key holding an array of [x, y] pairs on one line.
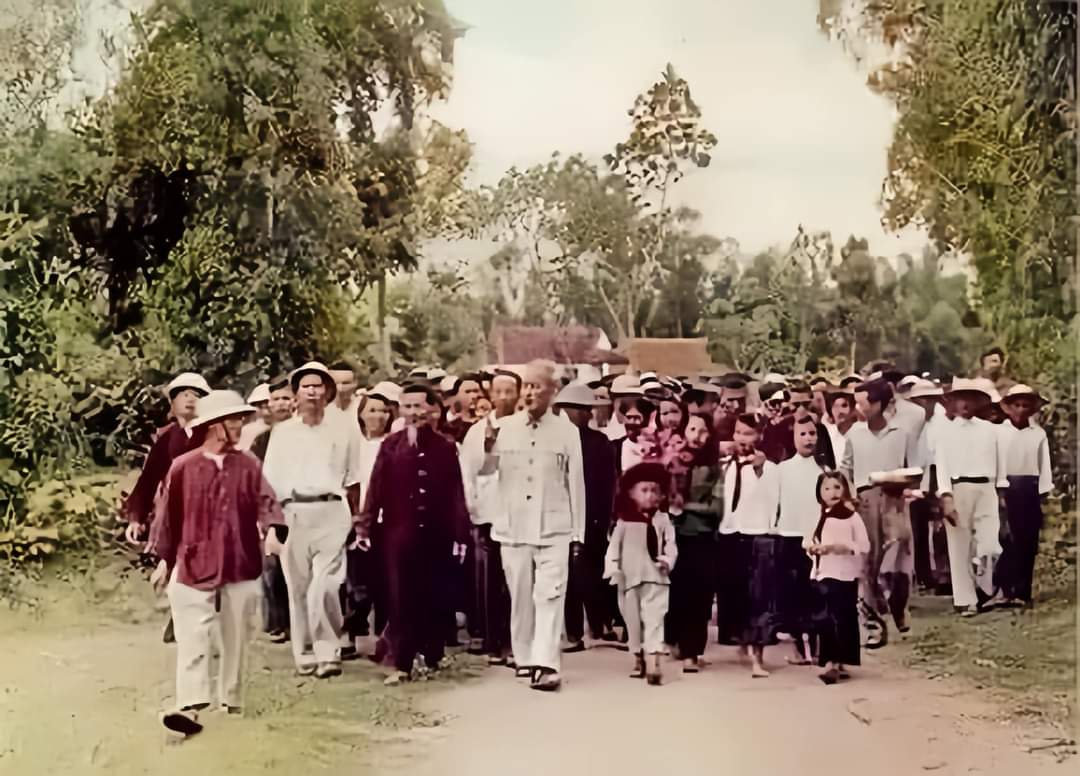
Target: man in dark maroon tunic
{"points": [[416, 484], [170, 442]]}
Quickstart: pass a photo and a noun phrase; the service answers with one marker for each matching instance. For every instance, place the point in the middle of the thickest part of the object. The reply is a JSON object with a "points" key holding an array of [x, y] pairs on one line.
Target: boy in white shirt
{"points": [[1027, 468]]}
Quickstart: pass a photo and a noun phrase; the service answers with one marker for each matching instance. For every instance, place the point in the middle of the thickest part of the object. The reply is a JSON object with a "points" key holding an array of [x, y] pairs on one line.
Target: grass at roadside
{"points": [[1024, 659]]}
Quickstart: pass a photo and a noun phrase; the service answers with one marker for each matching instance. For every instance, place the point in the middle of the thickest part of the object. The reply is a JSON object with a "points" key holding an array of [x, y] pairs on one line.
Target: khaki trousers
{"points": [[973, 541], [643, 609], [195, 614], [536, 576], [313, 562]]}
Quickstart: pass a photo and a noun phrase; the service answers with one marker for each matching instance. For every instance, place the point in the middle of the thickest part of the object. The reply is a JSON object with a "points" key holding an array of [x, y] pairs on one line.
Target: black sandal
{"points": [[182, 723]]}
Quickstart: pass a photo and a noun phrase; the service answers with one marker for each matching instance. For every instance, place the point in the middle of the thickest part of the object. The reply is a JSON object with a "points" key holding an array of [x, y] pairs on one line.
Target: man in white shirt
{"points": [[491, 611], [345, 399], [970, 468], [1027, 467], [541, 513], [880, 444], [313, 465]]}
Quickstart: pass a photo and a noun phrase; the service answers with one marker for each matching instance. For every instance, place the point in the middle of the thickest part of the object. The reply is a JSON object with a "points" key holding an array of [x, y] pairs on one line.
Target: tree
{"points": [[666, 139], [984, 157], [222, 208]]}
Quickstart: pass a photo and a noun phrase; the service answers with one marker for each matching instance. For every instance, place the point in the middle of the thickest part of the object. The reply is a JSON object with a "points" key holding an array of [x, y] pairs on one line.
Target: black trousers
{"points": [[1023, 517], [489, 618], [836, 621], [587, 593], [693, 581], [920, 537], [416, 593], [277, 595]]}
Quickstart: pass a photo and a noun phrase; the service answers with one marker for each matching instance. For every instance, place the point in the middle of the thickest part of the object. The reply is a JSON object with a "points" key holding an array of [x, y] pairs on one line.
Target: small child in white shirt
{"points": [[641, 554], [838, 545]]}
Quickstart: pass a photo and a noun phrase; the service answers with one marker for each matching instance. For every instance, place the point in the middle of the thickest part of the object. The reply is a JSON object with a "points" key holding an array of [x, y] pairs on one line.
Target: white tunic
{"points": [[1027, 453], [799, 510], [541, 481], [969, 448], [313, 460], [758, 500]]}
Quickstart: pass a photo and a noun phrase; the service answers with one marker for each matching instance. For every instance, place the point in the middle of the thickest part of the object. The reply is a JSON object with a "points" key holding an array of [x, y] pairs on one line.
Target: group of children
{"points": [[766, 588], [791, 536]]}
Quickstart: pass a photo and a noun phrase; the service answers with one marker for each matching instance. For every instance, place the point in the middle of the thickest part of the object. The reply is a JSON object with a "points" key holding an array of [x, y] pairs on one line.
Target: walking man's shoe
{"points": [[183, 723], [546, 680], [326, 670]]}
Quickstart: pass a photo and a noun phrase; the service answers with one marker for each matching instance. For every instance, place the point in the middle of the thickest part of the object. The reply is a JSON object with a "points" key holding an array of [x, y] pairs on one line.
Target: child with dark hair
{"points": [[837, 545], [639, 560]]}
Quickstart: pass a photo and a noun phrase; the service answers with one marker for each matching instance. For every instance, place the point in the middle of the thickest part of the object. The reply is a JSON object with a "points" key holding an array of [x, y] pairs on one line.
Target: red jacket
{"points": [[210, 522]]}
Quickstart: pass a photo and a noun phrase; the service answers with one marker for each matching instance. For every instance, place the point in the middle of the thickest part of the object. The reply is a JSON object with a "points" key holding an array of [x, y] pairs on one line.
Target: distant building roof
{"points": [[512, 344], [673, 357]]}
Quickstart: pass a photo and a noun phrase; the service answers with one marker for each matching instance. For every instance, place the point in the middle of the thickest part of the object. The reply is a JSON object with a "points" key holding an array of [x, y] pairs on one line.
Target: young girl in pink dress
{"points": [[838, 546]]}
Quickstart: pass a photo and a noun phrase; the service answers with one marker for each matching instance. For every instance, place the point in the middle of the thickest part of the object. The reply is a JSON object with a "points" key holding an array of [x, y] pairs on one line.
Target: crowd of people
{"points": [[544, 516]]}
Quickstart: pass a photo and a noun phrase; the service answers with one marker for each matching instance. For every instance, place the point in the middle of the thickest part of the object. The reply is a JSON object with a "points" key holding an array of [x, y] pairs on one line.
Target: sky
{"points": [[801, 137]]}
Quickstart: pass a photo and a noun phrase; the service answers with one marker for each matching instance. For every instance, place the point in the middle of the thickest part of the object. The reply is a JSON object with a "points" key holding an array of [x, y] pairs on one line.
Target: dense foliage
{"points": [[220, 208], [984, 157]]}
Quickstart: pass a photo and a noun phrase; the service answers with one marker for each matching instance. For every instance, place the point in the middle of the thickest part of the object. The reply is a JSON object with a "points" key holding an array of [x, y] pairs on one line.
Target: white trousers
{"points": [[643, 609], [536, 577], [973, 541], [313, 563], [195, 615]]}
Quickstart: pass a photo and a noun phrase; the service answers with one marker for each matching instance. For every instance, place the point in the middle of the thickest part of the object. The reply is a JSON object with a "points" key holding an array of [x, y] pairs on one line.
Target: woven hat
{"points": [[260, 394], [219, 405], [187, 381], [387, 391], [924, 389], [626, 385], [1020, 391], [907, 383], [963, 385], [578, 395], [315, 368]]}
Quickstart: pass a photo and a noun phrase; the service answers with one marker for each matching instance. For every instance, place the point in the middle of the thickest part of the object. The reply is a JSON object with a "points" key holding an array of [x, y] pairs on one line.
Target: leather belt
{"points": [[322, 498], [971, 480]]}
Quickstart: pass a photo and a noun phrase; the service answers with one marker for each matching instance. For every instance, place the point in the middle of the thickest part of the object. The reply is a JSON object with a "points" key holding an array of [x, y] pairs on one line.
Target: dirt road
{"points": [[722, 721], [80, 691]]}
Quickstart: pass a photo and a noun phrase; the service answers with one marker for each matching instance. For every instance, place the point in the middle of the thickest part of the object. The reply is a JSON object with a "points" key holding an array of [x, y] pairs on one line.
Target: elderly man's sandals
{"points": [[545, 680]]}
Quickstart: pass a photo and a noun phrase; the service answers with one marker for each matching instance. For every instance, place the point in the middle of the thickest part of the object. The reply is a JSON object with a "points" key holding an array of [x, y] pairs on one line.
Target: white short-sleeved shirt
{"points": [[313, 460]]}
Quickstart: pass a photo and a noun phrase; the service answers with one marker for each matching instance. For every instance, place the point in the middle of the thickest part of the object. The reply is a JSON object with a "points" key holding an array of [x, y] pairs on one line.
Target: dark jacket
{"points": [[417, 489]]}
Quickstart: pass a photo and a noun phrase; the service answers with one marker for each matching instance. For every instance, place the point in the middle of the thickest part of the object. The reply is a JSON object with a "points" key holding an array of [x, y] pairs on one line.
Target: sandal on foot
{"points": [[829, 677], [546, 680]]}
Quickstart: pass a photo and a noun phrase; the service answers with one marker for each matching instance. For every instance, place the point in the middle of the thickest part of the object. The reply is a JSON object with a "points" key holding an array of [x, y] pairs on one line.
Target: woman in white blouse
{"points": [[376, 412]]}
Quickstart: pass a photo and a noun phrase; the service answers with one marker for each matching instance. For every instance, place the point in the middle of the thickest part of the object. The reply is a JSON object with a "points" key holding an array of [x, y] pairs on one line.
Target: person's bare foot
{"points": [[759, 672]]}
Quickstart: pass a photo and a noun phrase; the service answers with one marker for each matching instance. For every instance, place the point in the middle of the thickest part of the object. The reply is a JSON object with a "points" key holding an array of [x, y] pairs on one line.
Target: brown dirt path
{"points": [[884, 722], [80, 690]]}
